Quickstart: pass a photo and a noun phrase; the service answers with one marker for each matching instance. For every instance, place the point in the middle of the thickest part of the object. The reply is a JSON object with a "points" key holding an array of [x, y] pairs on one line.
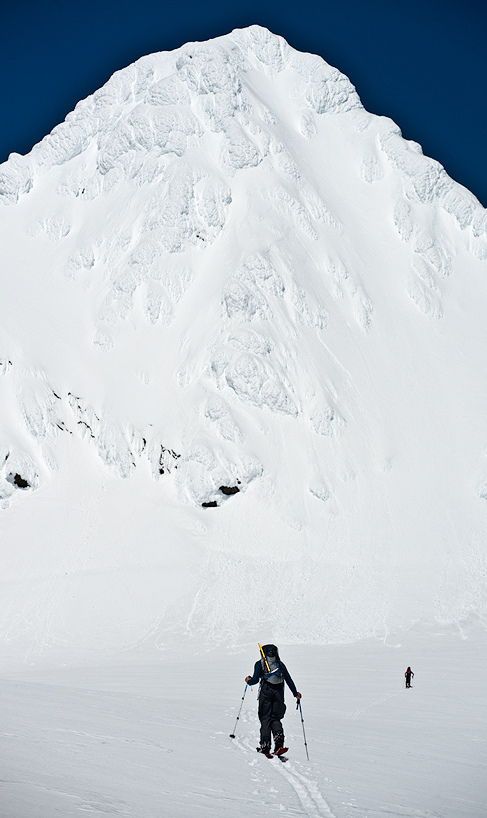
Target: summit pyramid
{"points": [[242, 364]]}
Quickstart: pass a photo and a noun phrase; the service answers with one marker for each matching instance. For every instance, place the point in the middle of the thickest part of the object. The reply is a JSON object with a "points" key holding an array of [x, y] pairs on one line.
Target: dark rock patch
{"points": [[18, 481], [229, 489], [165, 460]]}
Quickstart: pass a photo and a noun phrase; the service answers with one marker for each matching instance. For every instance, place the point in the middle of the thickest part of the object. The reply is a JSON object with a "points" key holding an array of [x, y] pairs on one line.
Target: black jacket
{"points": [[259, 674]]}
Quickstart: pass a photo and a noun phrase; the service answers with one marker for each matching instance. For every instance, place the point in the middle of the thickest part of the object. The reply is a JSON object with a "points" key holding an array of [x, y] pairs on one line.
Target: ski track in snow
{"points": [[306, 789], [361, 710]]}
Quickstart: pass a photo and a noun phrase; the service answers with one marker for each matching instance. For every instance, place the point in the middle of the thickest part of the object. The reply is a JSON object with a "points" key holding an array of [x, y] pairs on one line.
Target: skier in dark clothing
{"points": [[409, 673], [272, 673]]}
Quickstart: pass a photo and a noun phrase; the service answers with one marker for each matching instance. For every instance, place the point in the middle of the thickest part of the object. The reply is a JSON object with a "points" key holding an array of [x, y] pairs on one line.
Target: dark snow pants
{"points": [[271, 711]]}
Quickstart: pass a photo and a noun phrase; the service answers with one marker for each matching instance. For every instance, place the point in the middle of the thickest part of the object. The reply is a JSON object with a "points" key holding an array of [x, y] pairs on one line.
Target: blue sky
{"points": [[421, 62]]}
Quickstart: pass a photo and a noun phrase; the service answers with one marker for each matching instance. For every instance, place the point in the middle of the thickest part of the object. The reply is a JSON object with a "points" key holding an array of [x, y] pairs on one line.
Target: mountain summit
{"points": [[242, 357]]}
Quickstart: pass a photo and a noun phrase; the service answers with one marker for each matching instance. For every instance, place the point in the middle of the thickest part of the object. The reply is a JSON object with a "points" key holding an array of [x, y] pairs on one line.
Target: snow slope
{"points": [[138, 739], [242, 357]]}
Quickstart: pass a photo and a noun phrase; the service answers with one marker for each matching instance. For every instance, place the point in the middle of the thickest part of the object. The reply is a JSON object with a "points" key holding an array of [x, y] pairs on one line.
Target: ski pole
{"points": [[302, 723], [232, 735]]}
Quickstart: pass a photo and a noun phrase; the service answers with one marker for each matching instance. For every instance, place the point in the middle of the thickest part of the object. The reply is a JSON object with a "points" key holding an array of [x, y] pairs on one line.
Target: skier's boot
{"points": [[265, 749], [279, 748]]}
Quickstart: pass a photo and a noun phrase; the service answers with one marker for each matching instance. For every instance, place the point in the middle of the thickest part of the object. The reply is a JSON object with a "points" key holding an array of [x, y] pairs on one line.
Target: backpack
{"points": [[271, 665]]}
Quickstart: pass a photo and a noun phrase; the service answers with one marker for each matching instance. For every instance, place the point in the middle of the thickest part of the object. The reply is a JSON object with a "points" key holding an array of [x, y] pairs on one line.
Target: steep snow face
{"points": [[242, 364]]}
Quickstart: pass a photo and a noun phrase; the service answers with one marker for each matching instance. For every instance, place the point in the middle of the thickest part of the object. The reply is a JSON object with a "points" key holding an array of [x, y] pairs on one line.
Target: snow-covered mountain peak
{"points": [[242, 338]]}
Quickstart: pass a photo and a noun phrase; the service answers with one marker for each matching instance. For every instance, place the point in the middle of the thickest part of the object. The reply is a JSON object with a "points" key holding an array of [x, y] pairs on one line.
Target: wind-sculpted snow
{"points": [[16, 178], [372, 170], [253, 382], [247, 294], [242, 337], [218, 414], [402, 219], [144, 130], [52, 227], [425, 180]]}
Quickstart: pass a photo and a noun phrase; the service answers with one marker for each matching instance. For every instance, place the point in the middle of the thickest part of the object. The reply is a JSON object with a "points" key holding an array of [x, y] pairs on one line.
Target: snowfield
{"points": [[152, 739], [242, 398]]}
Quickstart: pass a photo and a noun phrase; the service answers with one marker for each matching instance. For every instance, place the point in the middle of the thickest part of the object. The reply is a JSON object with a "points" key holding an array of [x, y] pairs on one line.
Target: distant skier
{"points": [[409, 674], [272, 673]]}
